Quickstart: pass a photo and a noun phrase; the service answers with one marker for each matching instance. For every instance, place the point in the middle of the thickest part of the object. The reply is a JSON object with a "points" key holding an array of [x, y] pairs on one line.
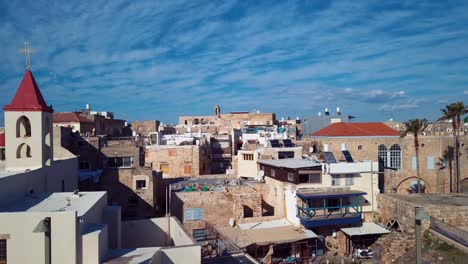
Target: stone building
{"points": [[75, 121], [214, 200], [396, 156], [179, 161], [131, 185], [144, 128], [223, 123]]}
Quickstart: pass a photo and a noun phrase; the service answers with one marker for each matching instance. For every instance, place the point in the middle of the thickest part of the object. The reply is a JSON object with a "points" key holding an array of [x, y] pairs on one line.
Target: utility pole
{"points": [[419, 215]]}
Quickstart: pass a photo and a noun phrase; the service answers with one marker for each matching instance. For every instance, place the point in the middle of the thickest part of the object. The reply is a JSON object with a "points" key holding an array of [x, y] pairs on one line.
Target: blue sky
{"points": [[162, 59]]}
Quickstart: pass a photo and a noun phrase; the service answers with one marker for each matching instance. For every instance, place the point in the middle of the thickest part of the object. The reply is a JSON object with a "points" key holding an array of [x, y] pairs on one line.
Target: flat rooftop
{"points": [[426, 200], [56, 202], [132, 255], [290, 163]]}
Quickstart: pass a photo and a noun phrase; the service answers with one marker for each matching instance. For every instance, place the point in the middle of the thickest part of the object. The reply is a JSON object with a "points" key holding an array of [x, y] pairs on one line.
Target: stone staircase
{"points": [[393, 246]]}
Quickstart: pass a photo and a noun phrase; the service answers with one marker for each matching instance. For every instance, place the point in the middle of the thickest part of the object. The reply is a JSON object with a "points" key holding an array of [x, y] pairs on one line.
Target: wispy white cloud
{"points": [[161, 59]]}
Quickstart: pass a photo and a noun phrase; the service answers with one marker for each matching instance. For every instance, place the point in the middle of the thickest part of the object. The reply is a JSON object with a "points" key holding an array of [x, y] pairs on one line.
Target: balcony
{"points": [[317, 209]]}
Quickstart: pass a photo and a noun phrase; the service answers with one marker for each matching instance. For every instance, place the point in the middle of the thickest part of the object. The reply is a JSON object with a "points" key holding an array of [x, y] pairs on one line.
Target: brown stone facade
{"points": [[244, 204], [437, 179], [143, 128], [444, 207], [179, 161]]}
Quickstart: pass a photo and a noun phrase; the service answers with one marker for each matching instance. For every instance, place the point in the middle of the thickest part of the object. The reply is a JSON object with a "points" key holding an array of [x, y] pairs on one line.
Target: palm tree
{"points": [[415, 127], [454, 112]]}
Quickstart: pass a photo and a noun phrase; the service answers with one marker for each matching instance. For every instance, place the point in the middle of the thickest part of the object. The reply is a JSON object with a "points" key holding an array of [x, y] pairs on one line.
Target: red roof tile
{"points": [[356, 130], [2, 139], [28, 97], [68, 117]]}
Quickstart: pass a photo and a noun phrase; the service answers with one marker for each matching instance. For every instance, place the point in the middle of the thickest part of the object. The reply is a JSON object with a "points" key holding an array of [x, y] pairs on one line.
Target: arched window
{"points": [[196, 121], [23, 151], [383, 155], [23, 127], [395, 157]]}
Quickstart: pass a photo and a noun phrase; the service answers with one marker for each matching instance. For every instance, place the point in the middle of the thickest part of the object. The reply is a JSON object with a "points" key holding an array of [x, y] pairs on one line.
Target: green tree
{"points": [[454, 112], [415, 127]]}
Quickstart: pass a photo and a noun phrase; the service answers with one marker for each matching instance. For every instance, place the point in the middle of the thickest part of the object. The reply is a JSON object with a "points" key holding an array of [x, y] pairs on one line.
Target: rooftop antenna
{"points": [[27, 54]]}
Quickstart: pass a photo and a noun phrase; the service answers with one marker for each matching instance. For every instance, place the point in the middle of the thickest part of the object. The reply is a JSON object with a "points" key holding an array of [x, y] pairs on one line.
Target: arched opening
{"points": [[395, 157], [464, 186], [23, 151], [383, 156], [248, 212], [23, 127], [196, 121]]}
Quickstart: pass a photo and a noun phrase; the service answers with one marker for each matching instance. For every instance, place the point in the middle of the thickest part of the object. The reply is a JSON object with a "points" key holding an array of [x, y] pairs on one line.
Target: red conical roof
{"points": [[28, 97]]}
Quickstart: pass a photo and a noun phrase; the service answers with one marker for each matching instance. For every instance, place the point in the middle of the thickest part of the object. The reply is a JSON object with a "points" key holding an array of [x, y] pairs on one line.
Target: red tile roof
{"points": [[356, 130], [28, 97], [69, 117], [2, 139]]}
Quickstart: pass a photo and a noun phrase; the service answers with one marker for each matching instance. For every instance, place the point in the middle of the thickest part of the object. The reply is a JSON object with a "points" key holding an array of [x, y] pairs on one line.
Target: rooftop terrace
{"points": [[56, 202]]}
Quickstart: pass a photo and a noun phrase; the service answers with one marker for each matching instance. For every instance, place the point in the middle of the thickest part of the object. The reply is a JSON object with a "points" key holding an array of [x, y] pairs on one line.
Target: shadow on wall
{"points": [[146, 233], [161, 257]]}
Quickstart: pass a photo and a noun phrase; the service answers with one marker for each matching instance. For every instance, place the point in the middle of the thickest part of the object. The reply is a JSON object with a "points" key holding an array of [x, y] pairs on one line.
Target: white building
{"points": [[44, 219]]}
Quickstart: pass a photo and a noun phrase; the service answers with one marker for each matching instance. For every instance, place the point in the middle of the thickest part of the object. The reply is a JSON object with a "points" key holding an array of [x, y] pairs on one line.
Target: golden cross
{"points": [[27, 54]]}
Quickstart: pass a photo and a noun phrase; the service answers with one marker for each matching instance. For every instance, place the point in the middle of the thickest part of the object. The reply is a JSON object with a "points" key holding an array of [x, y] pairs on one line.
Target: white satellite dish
{"points": [[311, 149], [261, 173]]}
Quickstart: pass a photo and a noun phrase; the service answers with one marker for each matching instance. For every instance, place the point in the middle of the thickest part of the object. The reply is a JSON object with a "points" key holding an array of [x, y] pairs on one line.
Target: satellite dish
{"points": [[261, 173], [311, 149], [232, 222]]}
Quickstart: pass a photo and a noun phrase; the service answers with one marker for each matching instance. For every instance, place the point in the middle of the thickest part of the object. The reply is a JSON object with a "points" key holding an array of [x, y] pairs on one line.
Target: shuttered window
{"points": [[430, 162], [349, 180], [187, 169], [165, 168], [193, 214]]}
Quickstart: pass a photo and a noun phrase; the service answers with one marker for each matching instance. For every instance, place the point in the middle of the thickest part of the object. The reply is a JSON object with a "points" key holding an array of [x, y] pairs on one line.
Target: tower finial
{"points": [[27, 54]]}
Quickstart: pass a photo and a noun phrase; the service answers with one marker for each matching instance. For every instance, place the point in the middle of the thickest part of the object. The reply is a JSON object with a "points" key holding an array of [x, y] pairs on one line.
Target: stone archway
{"points": [[426, 189]]}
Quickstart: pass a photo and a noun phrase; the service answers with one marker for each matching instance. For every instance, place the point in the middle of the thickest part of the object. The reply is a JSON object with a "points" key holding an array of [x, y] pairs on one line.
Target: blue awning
{"points": [[330, 194]]}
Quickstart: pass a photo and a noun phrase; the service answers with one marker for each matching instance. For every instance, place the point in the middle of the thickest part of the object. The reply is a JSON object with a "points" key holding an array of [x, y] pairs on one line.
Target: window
{"points": [[119, 162], [164, 167], [23, 151], [413, 163], [23, 127], [272, 172], [172, 152], [199, 234], [310, 178], [286, 155], [383, 155], [335, 180], [84, 165], [248, 212], [349, 179], [140, 184], [193, 214], [3, 251], [395, 157], [430, 162], [187, 169], [248, 156], [290, 177]]}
